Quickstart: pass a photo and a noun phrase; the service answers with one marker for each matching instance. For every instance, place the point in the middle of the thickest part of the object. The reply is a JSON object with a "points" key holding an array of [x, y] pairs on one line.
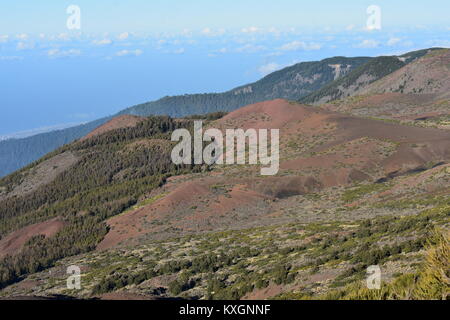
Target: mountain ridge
{"points": [[417, 94], [291, 83], [361, 77], [119, 191], [17, 153]]}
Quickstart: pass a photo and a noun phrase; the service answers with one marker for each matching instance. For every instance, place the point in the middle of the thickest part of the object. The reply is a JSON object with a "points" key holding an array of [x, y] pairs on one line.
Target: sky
{"points": [[133, 51]]}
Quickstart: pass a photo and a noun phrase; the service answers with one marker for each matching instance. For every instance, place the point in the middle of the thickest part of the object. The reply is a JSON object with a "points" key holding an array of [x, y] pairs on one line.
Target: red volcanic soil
{"points": [[274, 114], [13, 242], [434, 143], [128, 226], [124, 121], [190, 206], [262, 294], [298, 120], [353, 150]]}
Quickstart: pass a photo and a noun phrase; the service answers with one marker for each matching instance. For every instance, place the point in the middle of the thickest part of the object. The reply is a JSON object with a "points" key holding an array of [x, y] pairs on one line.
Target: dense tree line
{"points": [[293, 83], [209, 116], [109, 177], [17, 153], [290, 83]]}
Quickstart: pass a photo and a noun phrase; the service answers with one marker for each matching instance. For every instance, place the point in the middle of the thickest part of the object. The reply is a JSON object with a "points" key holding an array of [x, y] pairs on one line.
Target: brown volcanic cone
{"points": [[319, 149], [13, 242], [125, 121]]}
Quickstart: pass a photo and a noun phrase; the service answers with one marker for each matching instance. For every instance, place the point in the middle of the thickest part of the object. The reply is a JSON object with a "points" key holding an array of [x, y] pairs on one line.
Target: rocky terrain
{"points": [[363, 181]]}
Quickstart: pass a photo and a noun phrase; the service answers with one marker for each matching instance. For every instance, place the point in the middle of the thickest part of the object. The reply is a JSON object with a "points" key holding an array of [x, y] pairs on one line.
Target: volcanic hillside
{"points": [[417, 94], [319, 150], [362, 77], [362, 181], [115, 204], [57, 206], [427, 75], [120, 122]]}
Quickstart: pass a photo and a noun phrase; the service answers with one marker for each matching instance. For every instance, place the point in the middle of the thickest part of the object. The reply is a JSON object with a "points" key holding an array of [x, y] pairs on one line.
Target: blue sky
{"points": [[175, 15], [132, 51]]}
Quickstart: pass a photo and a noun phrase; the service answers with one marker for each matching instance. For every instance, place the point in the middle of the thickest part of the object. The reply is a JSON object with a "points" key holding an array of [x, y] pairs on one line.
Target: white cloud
{"points": [[269, 68], [213, 33], [397, 42], [103, 42], [275, 54], [421, 27], [408, 44], [24, 45], [206, 31], [393, 41], [10, 58], [22, 36], [250, 48], [63, 36], [368, 44], [124, 53], [60, 36], [57, 53], [250, 30], [123, 36], [186, 32], [4, 38], [180, 51], [299, 45], [214, 53]]}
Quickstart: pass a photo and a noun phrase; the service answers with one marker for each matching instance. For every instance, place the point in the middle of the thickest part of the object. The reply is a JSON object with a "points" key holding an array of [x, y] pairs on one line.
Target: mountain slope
{"points": [[17, 153], [319, 150], [78, 187], [428, 75], [362, 77], [290, 83], [417, 94], [120, 190], [120, 122]]}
